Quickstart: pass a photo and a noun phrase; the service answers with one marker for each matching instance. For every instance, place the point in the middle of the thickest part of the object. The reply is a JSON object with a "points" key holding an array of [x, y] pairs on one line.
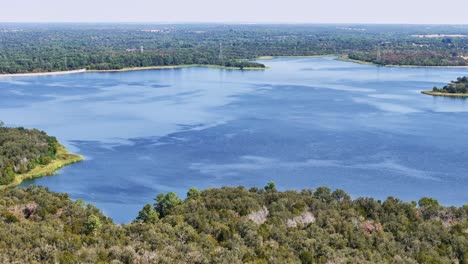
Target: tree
{"points": [[306, 257], [323, 194], [427, 202], [270, 187], [193, 193], [429, 207], [147, 215], [92, 224], [165, 203], [340, 196]]}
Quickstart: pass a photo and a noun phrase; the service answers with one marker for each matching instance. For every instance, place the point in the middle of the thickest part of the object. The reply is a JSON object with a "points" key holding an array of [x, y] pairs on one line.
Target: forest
{"points": [[454, 87], [59, 47], [21, 150], [233, 225]]}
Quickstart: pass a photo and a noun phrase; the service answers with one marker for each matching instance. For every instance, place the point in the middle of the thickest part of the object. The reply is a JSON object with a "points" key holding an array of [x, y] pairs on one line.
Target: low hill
{"points": [[233, 225]]}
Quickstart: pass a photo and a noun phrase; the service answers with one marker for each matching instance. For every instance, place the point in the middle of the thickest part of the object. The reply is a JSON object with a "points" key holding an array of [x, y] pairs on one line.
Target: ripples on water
{"points": [[302, 123]]}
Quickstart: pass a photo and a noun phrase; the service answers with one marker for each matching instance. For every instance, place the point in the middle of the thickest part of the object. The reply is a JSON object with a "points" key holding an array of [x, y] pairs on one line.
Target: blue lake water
{"points": [[302, 123]]}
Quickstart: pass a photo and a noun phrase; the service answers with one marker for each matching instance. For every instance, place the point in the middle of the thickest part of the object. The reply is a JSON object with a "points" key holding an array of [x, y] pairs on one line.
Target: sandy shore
{"points": [[41, 73], [296, 57], [130, 69]]}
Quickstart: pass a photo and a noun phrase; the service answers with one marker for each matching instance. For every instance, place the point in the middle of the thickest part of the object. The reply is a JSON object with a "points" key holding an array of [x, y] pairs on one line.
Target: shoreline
{"points": [[346, 58], [63, 159], [211, 66], [459, 95], [338, 57], [30, 74], [297, 57]]}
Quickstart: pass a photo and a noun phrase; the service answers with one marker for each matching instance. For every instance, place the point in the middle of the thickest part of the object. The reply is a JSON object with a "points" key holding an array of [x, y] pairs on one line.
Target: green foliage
{"points": [[216, 226], [270, 187], [306, 257], [165, 203], [92, 224], [458, 86], [147, 215], [428, 202], [23, 149], [323, 194], [193, 193], [56, 47]]}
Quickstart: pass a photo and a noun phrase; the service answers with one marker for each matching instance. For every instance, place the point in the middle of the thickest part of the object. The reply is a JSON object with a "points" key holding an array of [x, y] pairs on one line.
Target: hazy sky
{"points": [[280, 11]]}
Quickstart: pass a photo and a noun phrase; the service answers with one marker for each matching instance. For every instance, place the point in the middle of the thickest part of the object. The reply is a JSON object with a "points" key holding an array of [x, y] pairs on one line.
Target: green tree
{"points": [[147, 215], [92, 224], [193, 193], [429, 207], [340, 196], [323, 194], [164, 203], [426, 202], [306, 257], [270, 187]]}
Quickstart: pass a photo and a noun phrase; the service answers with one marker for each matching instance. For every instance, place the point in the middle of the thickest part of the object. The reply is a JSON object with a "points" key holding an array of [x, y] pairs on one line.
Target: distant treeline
{"points": [[23, 149], [60, 47], [233, 225], [458, 86]]}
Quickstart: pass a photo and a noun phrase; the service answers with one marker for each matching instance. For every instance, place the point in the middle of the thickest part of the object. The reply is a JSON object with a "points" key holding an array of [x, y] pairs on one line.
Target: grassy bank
{"points": [[63, 158], [346, 58], [445, 94]]}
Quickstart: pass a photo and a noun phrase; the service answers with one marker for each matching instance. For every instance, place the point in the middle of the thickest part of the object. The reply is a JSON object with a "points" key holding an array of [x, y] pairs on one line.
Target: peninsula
{"points": [[30, 153], [458, 88]]}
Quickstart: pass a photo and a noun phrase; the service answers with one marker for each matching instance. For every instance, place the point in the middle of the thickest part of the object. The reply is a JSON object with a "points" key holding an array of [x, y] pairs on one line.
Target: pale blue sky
{"points": [[259, 11]]}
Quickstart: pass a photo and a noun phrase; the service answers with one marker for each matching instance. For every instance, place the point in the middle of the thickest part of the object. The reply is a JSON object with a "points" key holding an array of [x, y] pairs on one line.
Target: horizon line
{"points": [[231, 23]]}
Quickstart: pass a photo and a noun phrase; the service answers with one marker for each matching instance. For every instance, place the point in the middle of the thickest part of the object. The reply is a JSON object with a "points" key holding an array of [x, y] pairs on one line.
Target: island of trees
{"points": [[29, 153], [28, 48], [454, 88], [233, 225]]}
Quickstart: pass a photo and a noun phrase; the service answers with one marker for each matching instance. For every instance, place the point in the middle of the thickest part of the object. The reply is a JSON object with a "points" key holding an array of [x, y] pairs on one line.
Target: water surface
{"points": [[302, 123]]}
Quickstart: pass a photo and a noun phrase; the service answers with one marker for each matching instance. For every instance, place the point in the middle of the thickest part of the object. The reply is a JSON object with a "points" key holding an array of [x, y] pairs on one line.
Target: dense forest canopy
{"points": [[56, 47], [23, 149], [458, 86], [233, 225]]}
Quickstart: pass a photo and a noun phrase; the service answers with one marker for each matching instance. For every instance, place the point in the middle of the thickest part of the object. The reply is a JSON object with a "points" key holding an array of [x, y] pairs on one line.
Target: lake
{"points": [[302, 123]]}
